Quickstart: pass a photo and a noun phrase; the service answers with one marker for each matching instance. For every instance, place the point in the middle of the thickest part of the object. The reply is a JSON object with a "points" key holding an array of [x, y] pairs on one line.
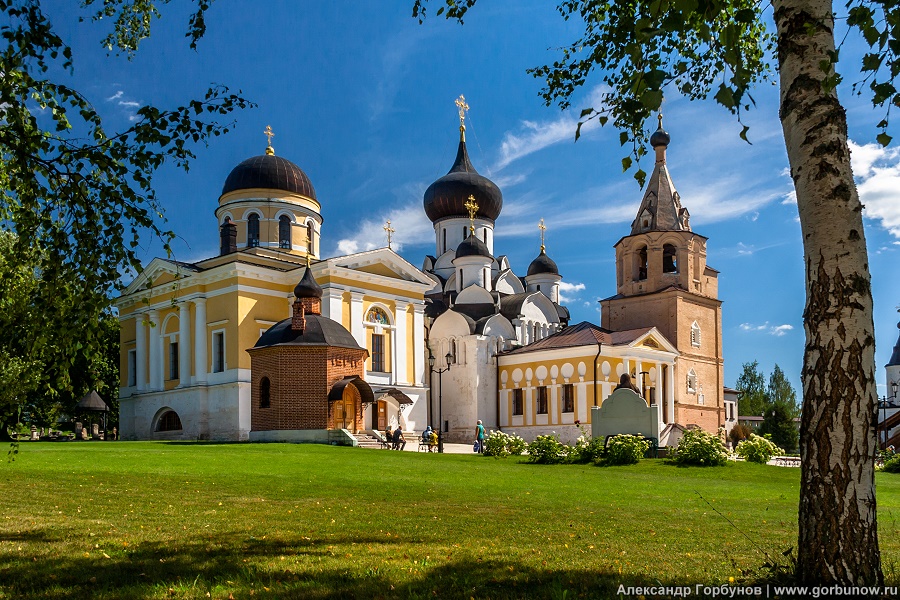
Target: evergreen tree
{"points": [[778, 422]]}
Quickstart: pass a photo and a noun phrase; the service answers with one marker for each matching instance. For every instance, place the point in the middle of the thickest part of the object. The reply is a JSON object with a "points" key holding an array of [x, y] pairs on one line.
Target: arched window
{"points": [[641, 265], [265, 400], [310, 233], [695, 334], [670, 262], [253, 230], [692, 382], [377, 315], [169, 421], [453, 351], [444, 233], [284, 232]]}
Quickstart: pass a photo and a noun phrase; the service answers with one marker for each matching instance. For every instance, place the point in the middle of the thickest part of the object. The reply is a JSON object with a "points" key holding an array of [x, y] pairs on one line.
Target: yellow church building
{"points": [[186, 327]]}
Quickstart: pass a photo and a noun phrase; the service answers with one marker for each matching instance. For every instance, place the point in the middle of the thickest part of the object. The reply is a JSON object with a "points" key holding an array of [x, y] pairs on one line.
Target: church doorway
{"points": [[382, 416], [345, 409]]}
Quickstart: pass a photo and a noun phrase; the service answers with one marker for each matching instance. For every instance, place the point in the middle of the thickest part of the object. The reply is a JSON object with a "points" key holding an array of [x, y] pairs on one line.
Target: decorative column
{"points": [[156, 379], [140, 354], [200, 363], [184, 344], [400, 342], [419, 343], [356, 318], [670, 391]]}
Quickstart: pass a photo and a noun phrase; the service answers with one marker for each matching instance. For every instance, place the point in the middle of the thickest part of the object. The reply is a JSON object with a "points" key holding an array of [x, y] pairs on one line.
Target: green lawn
{"points": [[128, 520]]}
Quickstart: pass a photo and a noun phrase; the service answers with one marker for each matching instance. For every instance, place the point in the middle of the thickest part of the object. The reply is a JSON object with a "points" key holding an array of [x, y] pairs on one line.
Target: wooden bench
{"points": [[787, 461]]}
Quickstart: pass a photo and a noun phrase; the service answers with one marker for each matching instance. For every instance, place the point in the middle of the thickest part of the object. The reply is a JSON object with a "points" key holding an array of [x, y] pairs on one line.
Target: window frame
{"points": [[218, 352], [696, 334], [131, 366], [265, 392], [567, 401], [285, 233], [252, 236], [518, 402], [378, 355], [174, 364], [542, 400]]}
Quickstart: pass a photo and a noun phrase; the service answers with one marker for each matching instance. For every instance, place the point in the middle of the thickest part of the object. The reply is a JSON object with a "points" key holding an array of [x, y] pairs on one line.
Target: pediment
{"points": [[382, 262], [653, 340], [158, 272]]}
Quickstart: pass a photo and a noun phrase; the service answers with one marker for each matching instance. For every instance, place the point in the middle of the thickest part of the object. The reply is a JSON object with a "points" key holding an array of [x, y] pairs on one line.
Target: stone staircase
{"points": [[367, 440]]}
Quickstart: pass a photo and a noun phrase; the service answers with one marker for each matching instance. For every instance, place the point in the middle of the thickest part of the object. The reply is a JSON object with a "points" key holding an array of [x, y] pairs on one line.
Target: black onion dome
{"points": [[543, 264], [269, 172], [319, 331], [447, 196], [308, 286], [660, 137], [895, 357], [472, 246]]}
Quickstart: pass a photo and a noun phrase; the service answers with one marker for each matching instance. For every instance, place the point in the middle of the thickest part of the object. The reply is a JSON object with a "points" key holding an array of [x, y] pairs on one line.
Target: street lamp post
{"points": [[440, 373]]}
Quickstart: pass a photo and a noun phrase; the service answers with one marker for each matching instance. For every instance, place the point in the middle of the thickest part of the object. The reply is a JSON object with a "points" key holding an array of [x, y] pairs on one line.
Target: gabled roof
{"points": [[379, 256], [588, 334]]}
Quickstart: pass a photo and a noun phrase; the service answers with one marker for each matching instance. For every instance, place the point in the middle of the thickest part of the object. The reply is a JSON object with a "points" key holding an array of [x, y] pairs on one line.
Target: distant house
{"points": [[754, 422]]}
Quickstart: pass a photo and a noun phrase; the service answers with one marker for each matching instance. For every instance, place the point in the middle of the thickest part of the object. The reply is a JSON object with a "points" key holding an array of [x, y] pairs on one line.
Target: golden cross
{"points": [[389, 230], [543, 228], [659, 116], [463, 107], [307, 260], [269, 135], [472, 207]]}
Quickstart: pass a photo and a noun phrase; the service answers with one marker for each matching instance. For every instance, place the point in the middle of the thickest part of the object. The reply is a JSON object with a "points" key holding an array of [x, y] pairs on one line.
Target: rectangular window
{"points": [[518, 402], [173, 360], [218, 351], [568, 398], [132, 368], [542, 400], [378, 352]]}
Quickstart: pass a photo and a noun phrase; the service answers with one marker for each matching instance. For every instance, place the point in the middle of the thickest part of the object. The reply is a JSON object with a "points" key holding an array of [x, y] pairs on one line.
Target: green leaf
{"points": [[883, 139], [626, 163]]}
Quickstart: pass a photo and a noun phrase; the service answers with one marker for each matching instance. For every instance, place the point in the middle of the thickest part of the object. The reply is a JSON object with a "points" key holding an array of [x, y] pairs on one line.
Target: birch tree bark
{"points": [[838, 537]]}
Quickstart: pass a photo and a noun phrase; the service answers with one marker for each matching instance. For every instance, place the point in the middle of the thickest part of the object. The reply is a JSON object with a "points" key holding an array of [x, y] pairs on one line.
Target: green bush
{"points": [[697, 447], [547, 450], [892, 465], [757, 449], [501, 444], [587, 449], [626, 449]]}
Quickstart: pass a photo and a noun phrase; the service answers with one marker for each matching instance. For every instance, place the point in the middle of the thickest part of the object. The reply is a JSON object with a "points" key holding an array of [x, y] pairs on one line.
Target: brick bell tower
{"points": [[662, 280]]}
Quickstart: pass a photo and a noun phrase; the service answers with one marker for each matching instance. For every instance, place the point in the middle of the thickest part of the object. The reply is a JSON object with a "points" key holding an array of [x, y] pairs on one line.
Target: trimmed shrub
{"points": [[547, 450], [892, 465], [757, 449], [697, 447], [501, 444], [626, 450], [739, 433]]}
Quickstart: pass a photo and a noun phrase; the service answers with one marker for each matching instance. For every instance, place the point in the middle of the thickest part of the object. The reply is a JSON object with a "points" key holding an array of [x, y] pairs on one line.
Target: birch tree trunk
{"points": [[838, 539]]}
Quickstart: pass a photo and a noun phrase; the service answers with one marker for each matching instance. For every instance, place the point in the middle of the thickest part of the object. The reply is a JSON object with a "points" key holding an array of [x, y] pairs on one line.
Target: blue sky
{"points": [[361, 97]]}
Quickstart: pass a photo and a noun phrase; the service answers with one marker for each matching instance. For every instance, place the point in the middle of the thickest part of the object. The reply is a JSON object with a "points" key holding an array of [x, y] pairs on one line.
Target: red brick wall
{"points": [[300, 378]]}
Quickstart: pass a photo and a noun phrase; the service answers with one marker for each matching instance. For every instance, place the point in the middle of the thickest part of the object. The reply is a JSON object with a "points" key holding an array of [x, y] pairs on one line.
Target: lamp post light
{"points": [[440, 373]]}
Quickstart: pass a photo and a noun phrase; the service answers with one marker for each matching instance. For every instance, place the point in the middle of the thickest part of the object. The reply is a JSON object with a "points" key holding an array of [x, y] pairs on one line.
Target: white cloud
{"points": [[533, 136], [115, 96], [408, 221], [129, 104], [776, 330], [566, 288], [790, 198], [877, 174]]}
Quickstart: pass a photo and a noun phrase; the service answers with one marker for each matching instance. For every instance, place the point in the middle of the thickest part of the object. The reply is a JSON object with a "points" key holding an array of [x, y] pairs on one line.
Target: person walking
{"points": [[479, 436]]}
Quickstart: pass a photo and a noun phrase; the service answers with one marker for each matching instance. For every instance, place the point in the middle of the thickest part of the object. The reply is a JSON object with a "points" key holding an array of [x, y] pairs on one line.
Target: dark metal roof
{"points": [[476, 311], [447, 196], [583, 334], [660, 137], [895, 357], [92, 402], [308, 286], [472, 246], [394, 393], [269, 172], [543, 264], [319, 331], [364, 389]]}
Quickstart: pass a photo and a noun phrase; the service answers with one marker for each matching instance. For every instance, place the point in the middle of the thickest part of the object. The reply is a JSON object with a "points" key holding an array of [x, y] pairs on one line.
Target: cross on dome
{"points": [[543, 228], [269, 135], [472, 207], [462, 107]]}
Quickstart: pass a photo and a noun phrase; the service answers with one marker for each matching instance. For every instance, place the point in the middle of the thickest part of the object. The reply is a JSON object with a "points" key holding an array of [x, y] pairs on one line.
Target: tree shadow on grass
{"points": [[237, 566]]}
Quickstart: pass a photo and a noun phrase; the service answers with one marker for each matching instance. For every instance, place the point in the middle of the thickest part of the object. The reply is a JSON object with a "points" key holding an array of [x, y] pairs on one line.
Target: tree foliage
{"points": [[79, 197], [751, 384]]}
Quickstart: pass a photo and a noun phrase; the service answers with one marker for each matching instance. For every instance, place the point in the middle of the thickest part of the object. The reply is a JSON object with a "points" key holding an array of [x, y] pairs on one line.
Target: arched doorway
{"points": [[345, 403]]}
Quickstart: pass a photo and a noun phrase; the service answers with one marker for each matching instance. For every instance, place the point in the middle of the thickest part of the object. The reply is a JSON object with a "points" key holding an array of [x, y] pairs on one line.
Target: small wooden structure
{"points": [[92, 402]]}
